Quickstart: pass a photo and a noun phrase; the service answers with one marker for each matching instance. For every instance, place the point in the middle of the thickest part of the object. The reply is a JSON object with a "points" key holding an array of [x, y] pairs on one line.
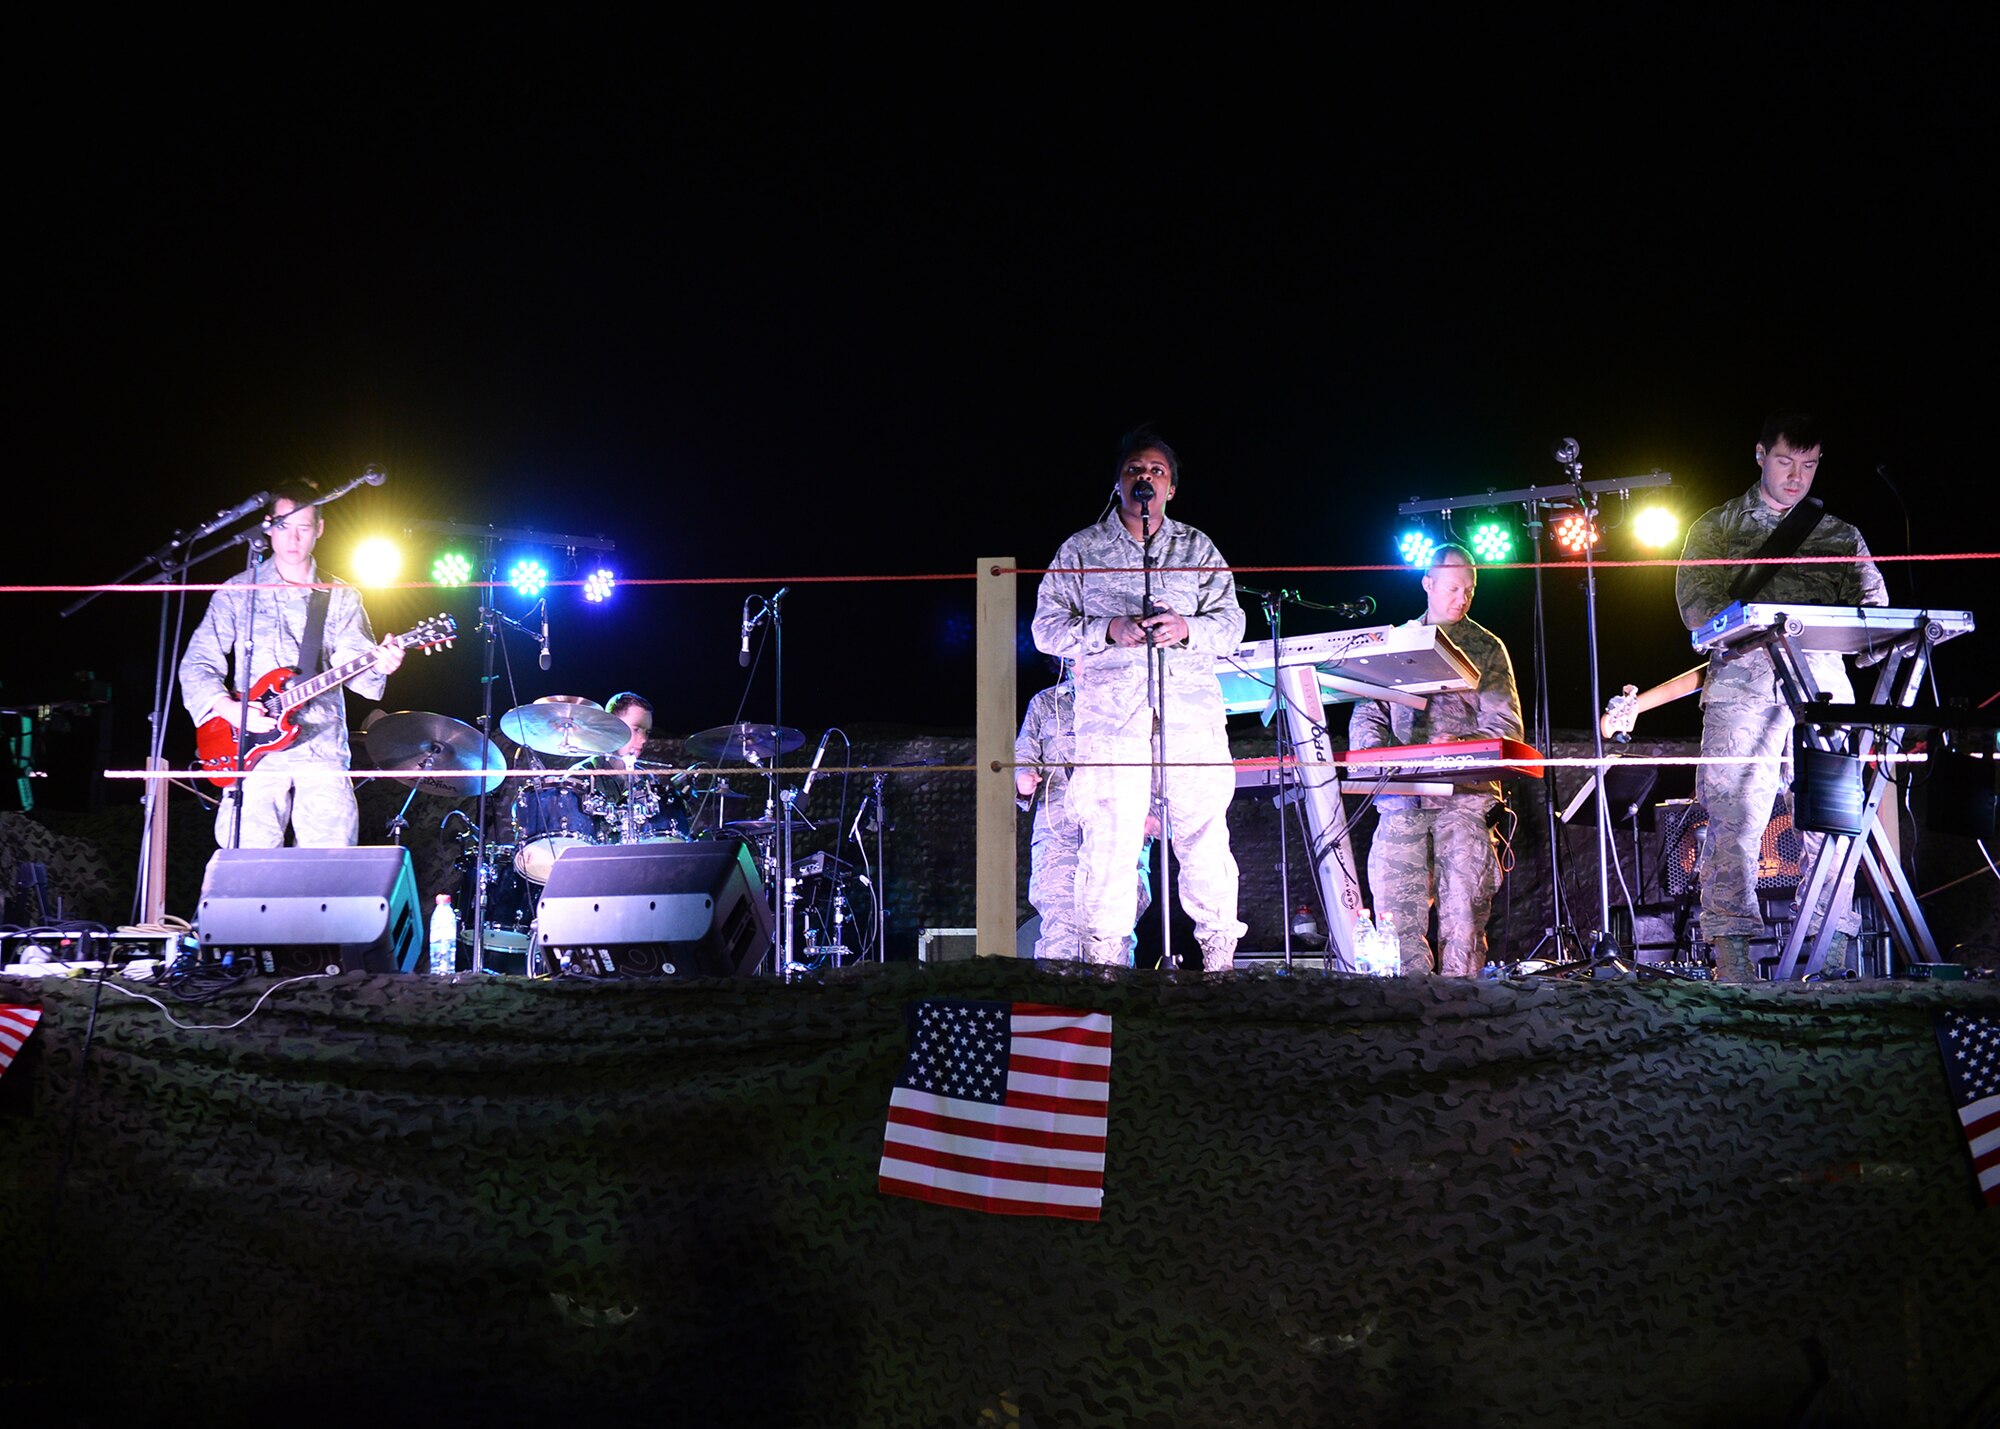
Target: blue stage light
{"points": [[528, 577]]}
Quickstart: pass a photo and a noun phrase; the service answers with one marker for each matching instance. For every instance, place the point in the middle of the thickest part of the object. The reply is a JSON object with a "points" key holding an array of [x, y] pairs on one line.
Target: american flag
{"points": [[1001, 1107], [15, 1025], [1971, 1047]]}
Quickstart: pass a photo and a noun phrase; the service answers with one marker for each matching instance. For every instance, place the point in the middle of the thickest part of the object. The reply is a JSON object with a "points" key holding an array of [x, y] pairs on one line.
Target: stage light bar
{"points": [[376, 561], [1573, 531], [598, 585], [529, 577], [1416, 549], [1656, 527], [451, 568], [1492, 541]]}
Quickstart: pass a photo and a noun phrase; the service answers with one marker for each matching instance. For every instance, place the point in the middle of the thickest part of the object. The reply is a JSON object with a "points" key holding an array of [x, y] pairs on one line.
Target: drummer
{"points": [[639, 798]]}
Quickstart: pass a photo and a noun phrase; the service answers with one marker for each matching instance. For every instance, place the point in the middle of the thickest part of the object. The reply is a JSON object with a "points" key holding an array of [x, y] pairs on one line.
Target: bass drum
{"points": [[550, 817]]}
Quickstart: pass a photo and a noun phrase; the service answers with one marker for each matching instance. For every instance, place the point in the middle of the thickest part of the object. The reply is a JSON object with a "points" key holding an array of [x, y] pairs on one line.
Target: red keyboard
{"points": [[1456, 761]]}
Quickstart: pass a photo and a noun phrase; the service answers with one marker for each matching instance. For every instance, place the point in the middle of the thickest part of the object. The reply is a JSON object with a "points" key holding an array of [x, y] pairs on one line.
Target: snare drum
{"points": [[551, 816]]}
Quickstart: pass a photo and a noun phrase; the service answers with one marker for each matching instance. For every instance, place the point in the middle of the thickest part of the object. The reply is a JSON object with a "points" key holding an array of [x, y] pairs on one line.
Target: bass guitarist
{"points": [[273, 620]]}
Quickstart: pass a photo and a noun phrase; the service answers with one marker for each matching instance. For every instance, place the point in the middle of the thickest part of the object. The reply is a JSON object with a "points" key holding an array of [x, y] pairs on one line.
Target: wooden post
{"points": [[993, 822], [155, 904]]}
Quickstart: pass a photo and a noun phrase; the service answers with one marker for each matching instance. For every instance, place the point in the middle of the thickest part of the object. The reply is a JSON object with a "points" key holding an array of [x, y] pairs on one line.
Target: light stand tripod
{"points": [[491, 619], [1602, 958]]}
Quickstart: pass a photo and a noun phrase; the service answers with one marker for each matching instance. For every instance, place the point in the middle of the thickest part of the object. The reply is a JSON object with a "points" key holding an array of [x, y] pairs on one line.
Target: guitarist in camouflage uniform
{"points": [[304, 784]]}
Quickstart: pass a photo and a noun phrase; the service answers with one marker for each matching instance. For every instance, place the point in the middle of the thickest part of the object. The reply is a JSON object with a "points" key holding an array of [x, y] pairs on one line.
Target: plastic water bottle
{"points": [[1364, 944], [444, 937], [1392, 947]]}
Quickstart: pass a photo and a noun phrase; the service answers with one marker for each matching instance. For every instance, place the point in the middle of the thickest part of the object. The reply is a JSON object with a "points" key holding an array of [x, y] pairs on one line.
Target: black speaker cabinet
{"points": [[300, 910], [656, 910]]}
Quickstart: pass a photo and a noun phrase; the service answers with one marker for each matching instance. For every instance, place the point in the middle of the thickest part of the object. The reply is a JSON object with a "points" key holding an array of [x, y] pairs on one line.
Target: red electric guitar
{"points": [[215, 739]]}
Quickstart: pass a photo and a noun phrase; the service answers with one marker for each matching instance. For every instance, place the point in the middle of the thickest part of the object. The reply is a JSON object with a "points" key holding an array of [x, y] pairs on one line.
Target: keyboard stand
{"points": [[1897, 685]]}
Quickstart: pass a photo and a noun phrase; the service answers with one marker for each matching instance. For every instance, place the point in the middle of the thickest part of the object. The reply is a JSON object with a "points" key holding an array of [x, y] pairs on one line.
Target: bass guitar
{"points": [[277, 696]]}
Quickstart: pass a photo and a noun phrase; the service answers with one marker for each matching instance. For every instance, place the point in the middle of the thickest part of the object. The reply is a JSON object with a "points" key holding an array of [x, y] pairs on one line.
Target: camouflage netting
{"points": [[1328, 1202]]}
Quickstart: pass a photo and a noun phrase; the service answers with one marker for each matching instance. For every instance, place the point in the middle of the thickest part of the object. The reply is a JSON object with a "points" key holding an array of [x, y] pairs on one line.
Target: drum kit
{"points": [[593, 800]]}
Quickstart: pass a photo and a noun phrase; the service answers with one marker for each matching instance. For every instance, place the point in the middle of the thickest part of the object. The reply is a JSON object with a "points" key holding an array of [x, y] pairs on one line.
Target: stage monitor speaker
{"points": [[655, 910], [300, 910]]}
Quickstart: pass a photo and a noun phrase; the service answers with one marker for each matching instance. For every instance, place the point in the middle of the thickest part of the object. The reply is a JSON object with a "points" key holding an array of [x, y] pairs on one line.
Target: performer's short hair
{"points": [[1451, 553], [625, 700], [1799, 431], [1139, 439], [299, 493]]}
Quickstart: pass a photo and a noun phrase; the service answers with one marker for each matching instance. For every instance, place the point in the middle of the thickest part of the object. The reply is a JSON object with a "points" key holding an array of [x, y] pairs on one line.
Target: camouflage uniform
{"points": [[1048, 738], [1441, 847], [1110, 789], [1744, 711], [304, 784]]}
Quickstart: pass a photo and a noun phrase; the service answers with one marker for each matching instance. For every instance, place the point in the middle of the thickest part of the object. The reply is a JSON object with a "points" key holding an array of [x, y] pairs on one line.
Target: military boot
{"points": [[1732, 959], [1835, 965]]}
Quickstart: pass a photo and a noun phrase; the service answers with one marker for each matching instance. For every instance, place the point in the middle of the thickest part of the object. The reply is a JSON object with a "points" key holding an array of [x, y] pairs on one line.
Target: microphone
{"points": [[1353, 609], [1566, 450], [545, 633], [234, 513], [1142, 490], [374, 475], [743, 655], [813, 773]]}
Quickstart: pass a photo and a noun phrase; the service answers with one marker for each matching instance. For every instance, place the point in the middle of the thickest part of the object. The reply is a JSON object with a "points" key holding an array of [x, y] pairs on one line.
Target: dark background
{"points": [[871, 298]]}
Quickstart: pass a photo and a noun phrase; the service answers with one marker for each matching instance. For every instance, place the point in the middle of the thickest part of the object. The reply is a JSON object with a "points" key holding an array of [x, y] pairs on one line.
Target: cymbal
{"points": [[445, 756], [756, 828], [565, 724], [736, 743]]}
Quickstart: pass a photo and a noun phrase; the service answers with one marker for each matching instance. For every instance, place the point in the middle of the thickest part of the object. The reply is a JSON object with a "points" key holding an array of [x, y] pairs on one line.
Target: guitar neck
{"points": [[1678, 688], [297, 694]]}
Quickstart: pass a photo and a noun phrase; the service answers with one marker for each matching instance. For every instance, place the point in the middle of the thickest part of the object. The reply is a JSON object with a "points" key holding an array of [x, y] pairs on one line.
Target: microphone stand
{"points": [[1156, 697], [1273, 602], [252, 545], [170, 564]]}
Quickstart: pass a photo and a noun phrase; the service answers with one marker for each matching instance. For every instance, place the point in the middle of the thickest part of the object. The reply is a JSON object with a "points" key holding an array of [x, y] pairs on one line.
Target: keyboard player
{"points": [[1743, 711], [1441, 848]]}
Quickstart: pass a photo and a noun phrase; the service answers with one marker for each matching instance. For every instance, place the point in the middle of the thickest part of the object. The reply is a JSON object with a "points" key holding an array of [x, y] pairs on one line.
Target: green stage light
{"points": [[1492, 541], [451, 568], [1416, 549]]}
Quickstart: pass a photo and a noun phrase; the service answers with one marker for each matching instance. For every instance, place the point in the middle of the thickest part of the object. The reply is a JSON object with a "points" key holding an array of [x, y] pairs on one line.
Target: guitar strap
{"points": [[311, 657], [1785, 541]]}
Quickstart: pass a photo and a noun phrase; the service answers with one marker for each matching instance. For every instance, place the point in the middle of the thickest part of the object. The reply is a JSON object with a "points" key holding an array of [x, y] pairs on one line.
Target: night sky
{"points": [[879, 299]]}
